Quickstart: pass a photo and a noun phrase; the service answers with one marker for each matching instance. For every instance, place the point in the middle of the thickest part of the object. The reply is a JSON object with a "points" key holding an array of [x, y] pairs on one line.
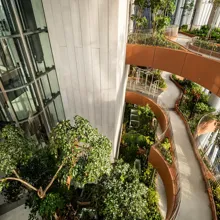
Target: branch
{"points": [[19, 180], [16, 174], [42, 193]]}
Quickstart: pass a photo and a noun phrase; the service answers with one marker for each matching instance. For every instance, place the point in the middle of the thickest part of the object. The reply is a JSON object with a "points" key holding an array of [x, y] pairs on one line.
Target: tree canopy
{"points": [[76, 154]]}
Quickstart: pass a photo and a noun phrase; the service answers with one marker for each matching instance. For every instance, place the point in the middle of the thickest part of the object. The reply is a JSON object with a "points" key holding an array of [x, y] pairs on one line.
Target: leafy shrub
{"points": [[194, 103], [123, 196], [148, 39], [165, 149], [207, 45], [129, 153], [184, 27], [201, 108], [216, 190]]}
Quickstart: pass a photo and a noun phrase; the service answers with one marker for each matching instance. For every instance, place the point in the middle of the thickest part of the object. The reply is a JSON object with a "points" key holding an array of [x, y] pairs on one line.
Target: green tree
{"points": [[123, 196], [161, 11], [161, 14], [76, 154]]}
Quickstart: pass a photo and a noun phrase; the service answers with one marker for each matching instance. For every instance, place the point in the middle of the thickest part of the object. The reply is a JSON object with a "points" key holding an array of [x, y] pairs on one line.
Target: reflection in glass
{"points": [[8, 25], [21, 95], [40, 52], [22, 103], [35, 128], [45, 88], [53, 81], [59, 108], [52, 115]]}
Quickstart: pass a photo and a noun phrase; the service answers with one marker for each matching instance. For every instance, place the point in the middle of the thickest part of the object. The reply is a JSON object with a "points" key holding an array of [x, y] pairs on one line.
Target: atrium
{"points": [[109, 109]]}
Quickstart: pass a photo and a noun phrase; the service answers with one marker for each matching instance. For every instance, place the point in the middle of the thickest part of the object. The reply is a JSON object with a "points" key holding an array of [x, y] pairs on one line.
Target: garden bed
{"points": [[193, 103], [168, 172], [148, 39], [202, 33], [139, 130], [201, 48]]}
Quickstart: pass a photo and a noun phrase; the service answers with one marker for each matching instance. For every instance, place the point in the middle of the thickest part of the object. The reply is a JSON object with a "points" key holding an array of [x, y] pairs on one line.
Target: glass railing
{"points": [[205, 47]]}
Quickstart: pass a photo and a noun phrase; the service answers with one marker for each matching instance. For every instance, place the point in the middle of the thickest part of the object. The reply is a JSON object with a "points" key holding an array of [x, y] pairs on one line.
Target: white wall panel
{"points": [[76, 26], [82, 82], [93, 13], [85, 22], [88, 39], [57, 16]]}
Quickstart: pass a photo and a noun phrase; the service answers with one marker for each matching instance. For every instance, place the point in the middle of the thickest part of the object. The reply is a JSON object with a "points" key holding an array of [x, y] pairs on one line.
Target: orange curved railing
{"points": [[196, 68], [168, 173]]}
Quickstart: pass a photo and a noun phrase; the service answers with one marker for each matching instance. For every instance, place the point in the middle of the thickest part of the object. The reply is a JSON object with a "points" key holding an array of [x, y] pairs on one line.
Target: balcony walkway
{"points": [[194, 199], [184, 41]]}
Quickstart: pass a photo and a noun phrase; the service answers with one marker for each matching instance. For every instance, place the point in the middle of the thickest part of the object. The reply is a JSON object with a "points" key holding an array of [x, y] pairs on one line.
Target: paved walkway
{"points": [[194, 200]]}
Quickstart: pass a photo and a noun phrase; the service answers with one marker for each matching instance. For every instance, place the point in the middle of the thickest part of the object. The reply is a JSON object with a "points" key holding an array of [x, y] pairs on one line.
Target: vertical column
{"points": [[179, 11], [197, 15]]}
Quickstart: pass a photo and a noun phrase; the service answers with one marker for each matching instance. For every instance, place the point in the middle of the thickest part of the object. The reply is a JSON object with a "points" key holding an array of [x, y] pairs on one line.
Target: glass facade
{"points": [[29, 89]]}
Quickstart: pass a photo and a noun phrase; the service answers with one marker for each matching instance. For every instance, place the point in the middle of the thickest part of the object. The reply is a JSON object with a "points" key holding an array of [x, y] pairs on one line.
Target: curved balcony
{"points": [[181, 62], [168, 172]]}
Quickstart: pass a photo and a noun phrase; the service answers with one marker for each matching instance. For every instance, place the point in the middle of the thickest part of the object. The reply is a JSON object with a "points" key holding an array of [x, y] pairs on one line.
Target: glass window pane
{"points": [[31, 14], [45, 87], [53, 81], [12, 58], [52, 115], [59, 108], [40, 51], [8, 25], [36, 128], [23, 103]]}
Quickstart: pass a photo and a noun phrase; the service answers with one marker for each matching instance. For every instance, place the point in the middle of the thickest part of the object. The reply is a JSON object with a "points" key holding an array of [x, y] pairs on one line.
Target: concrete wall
{"points": [[88, 39]]}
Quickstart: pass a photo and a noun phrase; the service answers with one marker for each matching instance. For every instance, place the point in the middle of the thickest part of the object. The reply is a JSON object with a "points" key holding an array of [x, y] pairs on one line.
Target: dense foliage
{"points": [[148, 39], [161, 11], [216, 195], [165, 149], [194, 103], [135, 147], [203, 31], [72, 177], [76, 155], [139, 199], [207, 45]]}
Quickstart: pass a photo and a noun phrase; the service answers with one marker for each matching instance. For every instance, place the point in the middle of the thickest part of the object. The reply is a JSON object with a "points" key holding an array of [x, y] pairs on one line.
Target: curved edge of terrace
{"points": [[196, 68], [167, 172]]}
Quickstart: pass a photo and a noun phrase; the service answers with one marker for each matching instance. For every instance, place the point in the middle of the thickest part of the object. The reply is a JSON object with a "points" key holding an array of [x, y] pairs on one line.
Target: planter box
{"points": [[187, 34], [204, 51]]}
